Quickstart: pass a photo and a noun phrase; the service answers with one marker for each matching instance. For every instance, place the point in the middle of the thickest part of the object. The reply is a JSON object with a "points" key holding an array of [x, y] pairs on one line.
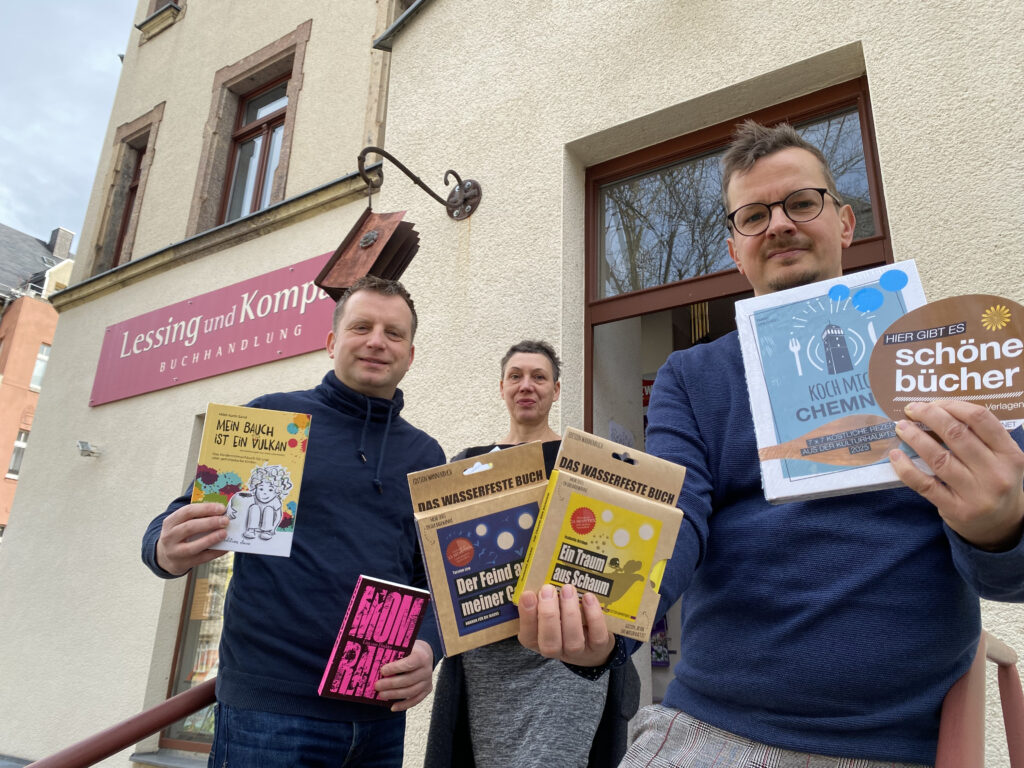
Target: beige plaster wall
{"points": [[557, 86], [58, 277], [90, 632], [178, 66], [523, 97]]}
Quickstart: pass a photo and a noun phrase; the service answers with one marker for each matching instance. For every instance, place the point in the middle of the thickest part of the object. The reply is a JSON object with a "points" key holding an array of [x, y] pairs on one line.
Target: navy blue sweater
{"points": [[832, 626], [282, 615]]}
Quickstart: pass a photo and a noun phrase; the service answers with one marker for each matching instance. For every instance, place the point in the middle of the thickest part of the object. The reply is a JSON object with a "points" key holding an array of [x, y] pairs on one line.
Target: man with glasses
{"points": [[815, 633]]}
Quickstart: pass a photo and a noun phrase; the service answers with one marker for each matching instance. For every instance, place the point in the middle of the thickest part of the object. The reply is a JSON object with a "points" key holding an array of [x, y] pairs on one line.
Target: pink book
{"points": [[380, 626]]}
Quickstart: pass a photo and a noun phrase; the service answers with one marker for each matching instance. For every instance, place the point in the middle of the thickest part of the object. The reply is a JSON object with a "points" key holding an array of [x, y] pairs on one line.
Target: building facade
{"points": [[593, 131], [30, 270], [26, 333]]}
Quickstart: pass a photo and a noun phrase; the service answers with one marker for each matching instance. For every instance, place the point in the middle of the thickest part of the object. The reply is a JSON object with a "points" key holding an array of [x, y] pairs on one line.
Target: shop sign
{"points": [[270, 317]]}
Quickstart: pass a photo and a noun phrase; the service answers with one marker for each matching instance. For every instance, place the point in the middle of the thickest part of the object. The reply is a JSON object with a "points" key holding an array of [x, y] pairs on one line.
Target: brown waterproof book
{"points": [[474, 518]]}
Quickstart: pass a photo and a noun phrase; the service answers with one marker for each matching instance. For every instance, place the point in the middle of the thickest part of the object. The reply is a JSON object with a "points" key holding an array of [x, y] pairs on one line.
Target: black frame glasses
{"points": [[797, 205]]}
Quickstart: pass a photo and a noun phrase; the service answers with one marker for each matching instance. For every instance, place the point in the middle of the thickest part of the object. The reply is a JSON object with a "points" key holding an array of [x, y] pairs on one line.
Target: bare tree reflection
{"points": [[668, 225]]}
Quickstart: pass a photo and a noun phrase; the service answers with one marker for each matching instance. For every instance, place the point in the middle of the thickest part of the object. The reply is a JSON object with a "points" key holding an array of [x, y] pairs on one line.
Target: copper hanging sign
{"points": [[379, 244]]}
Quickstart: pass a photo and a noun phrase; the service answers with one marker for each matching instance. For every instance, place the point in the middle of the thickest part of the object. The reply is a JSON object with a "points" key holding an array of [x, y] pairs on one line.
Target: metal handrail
{"points": [[111, 741]]}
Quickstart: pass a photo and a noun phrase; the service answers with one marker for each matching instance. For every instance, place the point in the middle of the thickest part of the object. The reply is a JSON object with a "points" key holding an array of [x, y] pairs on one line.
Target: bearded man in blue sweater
{"points": [[281, 614], [816, 633]]}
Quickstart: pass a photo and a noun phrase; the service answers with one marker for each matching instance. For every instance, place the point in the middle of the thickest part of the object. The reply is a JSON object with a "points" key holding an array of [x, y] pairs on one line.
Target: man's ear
{"points": [[849, 222], [412, 354], [732, 254], [330, 344]]}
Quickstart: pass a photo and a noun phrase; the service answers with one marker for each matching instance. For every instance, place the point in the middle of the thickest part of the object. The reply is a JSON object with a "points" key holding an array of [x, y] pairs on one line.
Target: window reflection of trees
{"points": [[669, 225], [838, 136]]}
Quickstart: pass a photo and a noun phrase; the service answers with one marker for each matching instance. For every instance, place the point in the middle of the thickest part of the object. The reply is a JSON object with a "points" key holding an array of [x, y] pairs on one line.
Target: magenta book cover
{"points": [[380, 626]]}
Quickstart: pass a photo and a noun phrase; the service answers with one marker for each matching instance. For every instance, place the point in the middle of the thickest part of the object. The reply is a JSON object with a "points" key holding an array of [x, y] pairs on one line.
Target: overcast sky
{"points": [[59, 60]]}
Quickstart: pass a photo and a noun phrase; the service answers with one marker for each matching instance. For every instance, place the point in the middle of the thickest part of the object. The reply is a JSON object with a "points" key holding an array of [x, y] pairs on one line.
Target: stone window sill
{"points": [[166, 758], [162, 19]]}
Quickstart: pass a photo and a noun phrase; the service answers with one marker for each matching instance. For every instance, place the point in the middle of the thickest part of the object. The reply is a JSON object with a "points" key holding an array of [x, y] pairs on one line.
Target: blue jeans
{"points": [[245, 738]]}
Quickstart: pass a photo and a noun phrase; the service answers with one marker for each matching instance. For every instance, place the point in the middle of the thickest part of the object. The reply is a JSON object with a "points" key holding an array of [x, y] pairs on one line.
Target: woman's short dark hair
{"points": [[534, 348]]}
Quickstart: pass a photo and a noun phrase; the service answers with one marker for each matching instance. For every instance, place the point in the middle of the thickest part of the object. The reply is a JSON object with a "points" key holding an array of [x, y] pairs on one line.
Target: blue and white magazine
{"points": [[806, 352]]}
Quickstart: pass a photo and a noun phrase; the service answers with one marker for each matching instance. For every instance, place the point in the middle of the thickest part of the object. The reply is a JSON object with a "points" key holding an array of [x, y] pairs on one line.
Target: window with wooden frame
{"points": [[197, 650], [196, 656], [247, 140], [257, 138], [39, 369], [656, 229], [134, 149], [133, 158], [18, 454]]}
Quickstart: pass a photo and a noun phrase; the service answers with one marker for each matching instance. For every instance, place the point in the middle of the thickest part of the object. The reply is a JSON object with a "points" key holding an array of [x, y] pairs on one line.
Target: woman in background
{"points": [[502, 705]]}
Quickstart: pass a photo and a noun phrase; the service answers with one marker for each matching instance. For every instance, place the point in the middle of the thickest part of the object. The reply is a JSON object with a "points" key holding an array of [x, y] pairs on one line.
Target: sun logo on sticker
{"points": [[995, 318]]}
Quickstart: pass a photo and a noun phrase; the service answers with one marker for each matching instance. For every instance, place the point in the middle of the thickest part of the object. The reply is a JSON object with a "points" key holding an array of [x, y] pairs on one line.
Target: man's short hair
{"points": [[752, 141], [377, 285], [534, 348]]}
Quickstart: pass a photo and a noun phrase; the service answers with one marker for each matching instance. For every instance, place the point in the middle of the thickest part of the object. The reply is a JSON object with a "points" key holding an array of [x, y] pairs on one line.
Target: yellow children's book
{"points": [[607, 525], [251, 460]]}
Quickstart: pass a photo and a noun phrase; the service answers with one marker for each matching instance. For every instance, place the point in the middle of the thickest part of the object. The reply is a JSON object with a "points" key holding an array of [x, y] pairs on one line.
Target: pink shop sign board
{"points": [[270, 317]]}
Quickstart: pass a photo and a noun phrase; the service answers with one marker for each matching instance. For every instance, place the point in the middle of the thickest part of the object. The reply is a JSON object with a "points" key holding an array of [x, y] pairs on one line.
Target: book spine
{"points": [[430, 586], [538, 528], [332, 663]]}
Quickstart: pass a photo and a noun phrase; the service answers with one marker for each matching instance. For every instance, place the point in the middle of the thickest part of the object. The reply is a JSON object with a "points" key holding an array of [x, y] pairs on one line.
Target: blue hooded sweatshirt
{"points": [[282, 615]]}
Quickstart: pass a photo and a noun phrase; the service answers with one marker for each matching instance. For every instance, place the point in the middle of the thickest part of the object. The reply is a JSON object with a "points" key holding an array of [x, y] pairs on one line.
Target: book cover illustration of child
{"points": [[269, 486], [269, 449]]}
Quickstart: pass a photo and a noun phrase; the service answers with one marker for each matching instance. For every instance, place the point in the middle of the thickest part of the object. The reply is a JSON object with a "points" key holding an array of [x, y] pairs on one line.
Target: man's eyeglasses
{"points": [[800, 206]]}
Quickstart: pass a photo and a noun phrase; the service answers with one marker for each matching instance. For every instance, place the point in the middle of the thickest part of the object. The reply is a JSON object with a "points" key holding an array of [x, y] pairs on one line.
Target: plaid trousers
{"points": [[670, 738]]}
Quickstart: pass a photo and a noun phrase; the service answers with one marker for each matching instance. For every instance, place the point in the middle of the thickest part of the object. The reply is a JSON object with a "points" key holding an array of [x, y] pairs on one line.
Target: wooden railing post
{"points": [[962, 726]]}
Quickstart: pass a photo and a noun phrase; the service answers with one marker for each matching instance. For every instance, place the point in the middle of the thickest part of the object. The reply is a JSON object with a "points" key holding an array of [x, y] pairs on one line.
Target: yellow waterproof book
{"points": [[607, 525], [251, 460]]}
